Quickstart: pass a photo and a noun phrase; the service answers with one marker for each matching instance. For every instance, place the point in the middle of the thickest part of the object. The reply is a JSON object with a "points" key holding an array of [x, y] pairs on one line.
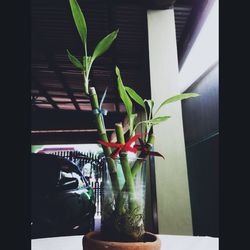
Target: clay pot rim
{"points": [[120, 243]]}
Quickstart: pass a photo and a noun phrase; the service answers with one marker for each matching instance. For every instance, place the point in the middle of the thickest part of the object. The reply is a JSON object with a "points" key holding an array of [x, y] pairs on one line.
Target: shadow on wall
{"points": [[200, 121]]}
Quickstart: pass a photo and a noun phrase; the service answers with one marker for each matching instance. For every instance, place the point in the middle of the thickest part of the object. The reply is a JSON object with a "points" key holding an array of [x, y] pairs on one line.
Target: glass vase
{"points": [[123, 210]]}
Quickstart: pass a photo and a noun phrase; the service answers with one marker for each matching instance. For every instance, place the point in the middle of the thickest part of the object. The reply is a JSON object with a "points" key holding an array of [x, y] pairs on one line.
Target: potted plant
{"points": [[123, 206]]}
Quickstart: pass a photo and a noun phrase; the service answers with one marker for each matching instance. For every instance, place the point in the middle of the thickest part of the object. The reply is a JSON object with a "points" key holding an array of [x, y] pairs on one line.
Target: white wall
{"points": [[174, 212]]}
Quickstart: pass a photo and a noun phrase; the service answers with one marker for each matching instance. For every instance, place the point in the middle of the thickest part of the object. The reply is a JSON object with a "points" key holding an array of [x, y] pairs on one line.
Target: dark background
{"points": [[201, 129]]}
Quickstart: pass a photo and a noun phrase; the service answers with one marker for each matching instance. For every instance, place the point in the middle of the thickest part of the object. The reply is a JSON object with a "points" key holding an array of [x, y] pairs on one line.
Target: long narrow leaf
{"points": [[86, 60], [104, 44], [135, 96], [131, 122], [79, 20], [126, 100], [74, 60], [123, 94], [157, 120], [150, 105], [177, 98], [151, 122]]}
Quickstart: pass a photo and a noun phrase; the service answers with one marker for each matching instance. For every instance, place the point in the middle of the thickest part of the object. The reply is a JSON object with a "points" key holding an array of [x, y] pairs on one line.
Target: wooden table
{"points": [[168, 242]]}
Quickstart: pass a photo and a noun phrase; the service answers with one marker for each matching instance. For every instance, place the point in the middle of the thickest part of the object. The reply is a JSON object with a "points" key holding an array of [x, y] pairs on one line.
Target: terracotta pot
{"points": [[92, 241]]}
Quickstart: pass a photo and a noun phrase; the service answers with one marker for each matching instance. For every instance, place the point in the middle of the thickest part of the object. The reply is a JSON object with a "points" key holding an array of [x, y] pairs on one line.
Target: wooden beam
{"points": [[112, 26], [160, 4], [43, 46], [44, 93], [54, 67], [186, 2], [154, 4]]}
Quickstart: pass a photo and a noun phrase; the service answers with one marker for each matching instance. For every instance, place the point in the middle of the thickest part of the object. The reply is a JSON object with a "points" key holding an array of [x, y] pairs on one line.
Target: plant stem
{"points": [[86, 87], [103, 136], [87, 69], [137, 165], [129, 180]]}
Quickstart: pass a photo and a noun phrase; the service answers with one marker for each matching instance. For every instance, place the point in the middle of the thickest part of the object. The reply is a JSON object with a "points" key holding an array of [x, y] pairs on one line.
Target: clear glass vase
{"points": [[123, 211]]}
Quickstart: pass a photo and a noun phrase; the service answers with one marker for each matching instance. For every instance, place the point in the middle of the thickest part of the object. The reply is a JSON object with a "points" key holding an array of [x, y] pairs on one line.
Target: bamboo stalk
{"points": [[129, 180], [103, 136]]}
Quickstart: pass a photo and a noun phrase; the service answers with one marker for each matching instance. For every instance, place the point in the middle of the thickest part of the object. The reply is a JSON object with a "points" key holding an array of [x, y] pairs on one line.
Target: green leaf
{"points": [[85, 68], [74, 60], [126, 100], [117, 71], [177, 98], [123, 94], [150, 104], [79, 20], [131, 122], [135, 96], [104, 44], [157, 120], [151, 122]]}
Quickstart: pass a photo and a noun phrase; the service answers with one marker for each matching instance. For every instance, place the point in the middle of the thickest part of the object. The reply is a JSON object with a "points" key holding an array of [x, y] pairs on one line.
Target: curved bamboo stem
{"points": [[103, 136]]}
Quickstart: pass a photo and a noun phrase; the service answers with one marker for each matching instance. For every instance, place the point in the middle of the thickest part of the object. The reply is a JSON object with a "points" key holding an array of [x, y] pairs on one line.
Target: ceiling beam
{"points": [[44, 47], [44, 93], [113, 26], [108, 99], [151, 4], [160, 4], [54, 67], [33, 103]]}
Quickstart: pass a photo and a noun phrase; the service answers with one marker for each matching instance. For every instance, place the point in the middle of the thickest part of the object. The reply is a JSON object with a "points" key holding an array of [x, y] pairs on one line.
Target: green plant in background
{"points": [[126, 93], [132, 227]]}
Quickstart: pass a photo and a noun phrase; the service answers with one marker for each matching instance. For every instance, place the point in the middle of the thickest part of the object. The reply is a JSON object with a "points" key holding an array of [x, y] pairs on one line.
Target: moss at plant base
{"points": [[127, 226]]}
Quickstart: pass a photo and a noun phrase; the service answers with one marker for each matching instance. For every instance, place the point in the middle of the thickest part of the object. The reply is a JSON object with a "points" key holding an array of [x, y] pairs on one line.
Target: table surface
{"points": [[171, 242]]}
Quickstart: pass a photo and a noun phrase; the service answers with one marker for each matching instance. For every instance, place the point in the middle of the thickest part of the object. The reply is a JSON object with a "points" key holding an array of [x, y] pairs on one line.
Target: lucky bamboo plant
{"points": [[129, 97]]}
